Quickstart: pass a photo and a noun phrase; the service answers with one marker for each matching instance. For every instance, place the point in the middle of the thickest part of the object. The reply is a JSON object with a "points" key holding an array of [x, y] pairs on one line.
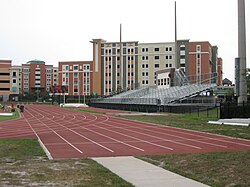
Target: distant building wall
{"points": [[200, 62], [78, 76], [5, 66]]}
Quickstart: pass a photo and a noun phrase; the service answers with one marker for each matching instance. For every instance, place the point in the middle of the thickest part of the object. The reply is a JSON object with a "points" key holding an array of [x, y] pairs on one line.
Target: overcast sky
{"points": [[60, 30]]}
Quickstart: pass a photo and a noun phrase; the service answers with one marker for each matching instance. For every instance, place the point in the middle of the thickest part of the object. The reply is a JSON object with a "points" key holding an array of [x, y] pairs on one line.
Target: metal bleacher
{"points": [[157, 96]]}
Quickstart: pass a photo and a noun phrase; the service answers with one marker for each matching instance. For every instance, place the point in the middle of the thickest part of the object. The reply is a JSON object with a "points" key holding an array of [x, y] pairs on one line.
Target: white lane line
{"points": [[101, 135], [136, 138], [167, 140], [194, 133], [113, 139], [92, 141], [109, 136], [61, 137], [107, 118], [202, 142], [40, 142], [237, 143], [83, 136]]}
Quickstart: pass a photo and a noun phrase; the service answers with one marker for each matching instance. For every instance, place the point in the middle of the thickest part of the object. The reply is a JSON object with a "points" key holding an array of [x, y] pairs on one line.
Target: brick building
{"points": [[78, 76]]}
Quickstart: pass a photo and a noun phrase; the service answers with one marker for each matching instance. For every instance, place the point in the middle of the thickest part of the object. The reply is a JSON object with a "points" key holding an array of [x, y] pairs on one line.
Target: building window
{"points": [[65, 67], [157, 65], [182, 57], [166, 48], [198, 48], [14, 74], [157, 49], [143, 65], [157, 57], [167, 57], [170, 48], [75, 90], [75, 75], [166, 65], [170, 57], [170, 65], [75, 82], [182, 48]]}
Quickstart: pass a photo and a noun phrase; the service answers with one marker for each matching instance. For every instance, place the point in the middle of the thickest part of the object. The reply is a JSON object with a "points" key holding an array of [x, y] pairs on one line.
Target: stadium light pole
{"points": [[242, 52]]}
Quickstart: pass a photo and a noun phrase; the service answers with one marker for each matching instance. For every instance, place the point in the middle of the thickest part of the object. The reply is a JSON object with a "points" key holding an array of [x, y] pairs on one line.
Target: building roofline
{"points": [[75, 61]]}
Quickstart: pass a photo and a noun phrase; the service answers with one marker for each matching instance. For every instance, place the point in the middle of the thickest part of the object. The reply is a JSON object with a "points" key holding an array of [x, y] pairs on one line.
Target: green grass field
{"points": [[214, 169], [16, 115], [23, 163]]}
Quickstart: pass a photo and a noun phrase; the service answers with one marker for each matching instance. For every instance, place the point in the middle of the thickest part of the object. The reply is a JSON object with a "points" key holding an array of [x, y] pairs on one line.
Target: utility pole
{"points": [[242, 52]]}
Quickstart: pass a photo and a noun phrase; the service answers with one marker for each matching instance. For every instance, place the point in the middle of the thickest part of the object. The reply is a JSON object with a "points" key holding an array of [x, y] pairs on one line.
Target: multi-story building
{"points": [[202, 62], [5, 66], [77, 76], [138, 63], [55, 76], [115, 65], [15, 82], [36, 77], [152, 58]]}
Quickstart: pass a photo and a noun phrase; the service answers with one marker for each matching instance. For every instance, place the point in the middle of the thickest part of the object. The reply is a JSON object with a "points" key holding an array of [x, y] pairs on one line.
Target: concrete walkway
{"points": [[143, 174]]}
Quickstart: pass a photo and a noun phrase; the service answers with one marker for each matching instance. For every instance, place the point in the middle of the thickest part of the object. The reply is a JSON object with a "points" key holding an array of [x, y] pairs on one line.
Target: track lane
{"points": [[122, 137]]}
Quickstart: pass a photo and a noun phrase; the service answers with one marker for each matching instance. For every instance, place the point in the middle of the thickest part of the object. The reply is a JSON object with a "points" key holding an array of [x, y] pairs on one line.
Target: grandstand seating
{"points": [[157, 96]]}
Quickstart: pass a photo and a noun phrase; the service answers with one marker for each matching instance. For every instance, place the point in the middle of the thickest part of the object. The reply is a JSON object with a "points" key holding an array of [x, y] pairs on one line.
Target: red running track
{"points": [[74, 134]]}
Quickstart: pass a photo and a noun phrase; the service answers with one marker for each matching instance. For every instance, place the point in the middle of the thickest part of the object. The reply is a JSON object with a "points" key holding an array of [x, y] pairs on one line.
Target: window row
{"points": [[165, 81], [167, 57], [75, 67], [157, 49]]}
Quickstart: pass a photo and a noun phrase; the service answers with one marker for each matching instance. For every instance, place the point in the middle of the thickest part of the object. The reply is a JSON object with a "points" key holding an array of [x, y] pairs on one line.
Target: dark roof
{"points": [[226, 81], [36, 62]]}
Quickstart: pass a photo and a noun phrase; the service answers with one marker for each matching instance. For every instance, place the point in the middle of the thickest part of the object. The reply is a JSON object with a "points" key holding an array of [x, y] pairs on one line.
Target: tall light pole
{"points": [[242, 52]]}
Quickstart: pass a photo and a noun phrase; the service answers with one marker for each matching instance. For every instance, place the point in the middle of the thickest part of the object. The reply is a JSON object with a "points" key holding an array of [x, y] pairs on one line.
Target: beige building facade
{"points": [[5, 66], [152, 58]]}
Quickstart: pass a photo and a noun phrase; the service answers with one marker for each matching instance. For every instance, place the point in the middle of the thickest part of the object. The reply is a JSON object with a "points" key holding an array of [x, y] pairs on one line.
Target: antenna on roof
{"points": [[175, 16], [121, 61]]}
